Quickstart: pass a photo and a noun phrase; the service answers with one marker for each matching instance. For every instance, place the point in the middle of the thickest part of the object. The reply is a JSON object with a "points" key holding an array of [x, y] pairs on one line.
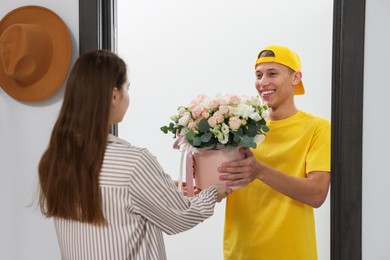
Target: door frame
{"points": [[98, 23]]}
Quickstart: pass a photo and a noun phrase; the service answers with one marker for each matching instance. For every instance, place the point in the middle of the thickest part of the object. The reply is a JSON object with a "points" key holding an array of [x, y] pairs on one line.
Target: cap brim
{"points": [[299, 89]]}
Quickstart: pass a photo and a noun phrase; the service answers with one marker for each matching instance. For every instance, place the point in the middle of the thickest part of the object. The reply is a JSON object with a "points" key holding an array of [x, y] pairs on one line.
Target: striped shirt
{"points": [[140, 201]]}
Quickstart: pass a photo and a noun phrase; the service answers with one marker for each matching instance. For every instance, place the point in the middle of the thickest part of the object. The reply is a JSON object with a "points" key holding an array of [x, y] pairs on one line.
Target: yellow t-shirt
{"points": [[263, 224]]}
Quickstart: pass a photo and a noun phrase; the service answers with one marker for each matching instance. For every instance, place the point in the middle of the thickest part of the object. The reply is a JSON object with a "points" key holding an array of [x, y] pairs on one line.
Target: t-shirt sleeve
{"points": [[318, 158]]}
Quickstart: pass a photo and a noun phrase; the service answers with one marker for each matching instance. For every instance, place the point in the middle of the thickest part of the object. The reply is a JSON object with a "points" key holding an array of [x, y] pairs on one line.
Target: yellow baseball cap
{"points": [[286, 57]]}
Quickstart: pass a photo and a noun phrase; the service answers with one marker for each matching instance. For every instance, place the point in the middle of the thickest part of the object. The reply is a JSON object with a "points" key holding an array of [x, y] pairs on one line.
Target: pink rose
{"points": [[214, 104], [232, 110], [205, 114], [191, 125], [235, 99], [212, 121], [219, 117], [197, 100], [197, 112], [234, 123], [223, 109]]}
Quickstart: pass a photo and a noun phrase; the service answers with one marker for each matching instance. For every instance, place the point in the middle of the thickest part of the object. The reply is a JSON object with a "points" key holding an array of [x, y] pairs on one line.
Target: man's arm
{"points": [[311, 190]]}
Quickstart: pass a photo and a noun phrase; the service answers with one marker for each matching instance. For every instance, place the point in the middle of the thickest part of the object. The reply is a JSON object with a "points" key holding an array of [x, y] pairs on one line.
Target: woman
{"points": [[109, 199]]}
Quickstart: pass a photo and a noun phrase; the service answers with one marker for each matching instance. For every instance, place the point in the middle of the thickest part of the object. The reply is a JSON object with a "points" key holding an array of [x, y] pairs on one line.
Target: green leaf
{"points": [[206, 137], [196, 142], [264, 129], [236, 138], [253, 126], [203, 126], [190, 137], [252, 130], [164, 129], [169, 128], [247, 142]]}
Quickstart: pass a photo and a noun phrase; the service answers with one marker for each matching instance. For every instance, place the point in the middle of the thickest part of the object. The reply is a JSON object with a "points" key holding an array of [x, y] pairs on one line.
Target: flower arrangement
{"points": [[220, 121]]}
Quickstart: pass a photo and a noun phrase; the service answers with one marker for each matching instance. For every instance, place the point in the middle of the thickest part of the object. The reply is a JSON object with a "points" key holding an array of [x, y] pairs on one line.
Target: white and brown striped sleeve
{"points": [[156, 198]]}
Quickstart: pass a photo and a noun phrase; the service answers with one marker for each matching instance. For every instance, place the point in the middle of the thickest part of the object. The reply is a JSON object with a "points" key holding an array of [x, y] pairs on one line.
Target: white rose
{"points": [[244, 110], [183, 121], [265, 114], [181, 110], [225, 128], [225, 139], [255, 116], [174, 117], [255, 101], [184, 131]]}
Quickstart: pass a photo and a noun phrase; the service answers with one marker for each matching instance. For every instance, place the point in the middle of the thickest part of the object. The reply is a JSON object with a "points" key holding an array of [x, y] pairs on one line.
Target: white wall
{"points": [[376, 129], [221, 62], [24, 133], [177, 49]]}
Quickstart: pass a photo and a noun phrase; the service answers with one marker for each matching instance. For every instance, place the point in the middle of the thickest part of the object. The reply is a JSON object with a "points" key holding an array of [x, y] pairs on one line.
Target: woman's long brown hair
{"points": [[69, 169]]}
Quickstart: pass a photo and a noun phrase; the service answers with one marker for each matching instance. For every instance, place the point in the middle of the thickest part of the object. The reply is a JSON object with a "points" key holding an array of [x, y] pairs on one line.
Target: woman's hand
{"points": [[222, 190], [184, 188]]}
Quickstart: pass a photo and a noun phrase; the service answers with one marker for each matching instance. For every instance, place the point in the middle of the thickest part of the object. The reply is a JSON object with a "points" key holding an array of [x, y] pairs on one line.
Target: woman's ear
{"points": [[115, 96]]}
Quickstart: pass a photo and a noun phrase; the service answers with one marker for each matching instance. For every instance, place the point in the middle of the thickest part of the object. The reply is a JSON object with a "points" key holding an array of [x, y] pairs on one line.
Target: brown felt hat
{"points": [[35, 53]]}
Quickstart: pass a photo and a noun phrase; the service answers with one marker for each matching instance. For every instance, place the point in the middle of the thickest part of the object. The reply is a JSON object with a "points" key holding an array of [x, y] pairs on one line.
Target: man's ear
{"points": [[297, 77]]}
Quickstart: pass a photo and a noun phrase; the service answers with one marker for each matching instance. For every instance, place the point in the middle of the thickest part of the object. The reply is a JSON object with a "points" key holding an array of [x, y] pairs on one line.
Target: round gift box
{"points": [[208, 161]]}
